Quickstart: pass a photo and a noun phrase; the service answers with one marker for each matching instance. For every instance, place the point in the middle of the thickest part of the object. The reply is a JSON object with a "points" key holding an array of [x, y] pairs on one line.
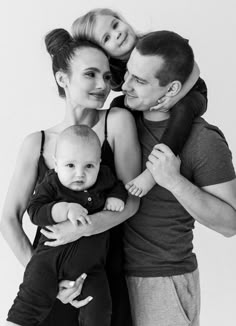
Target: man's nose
{"points": [[127, 83]]}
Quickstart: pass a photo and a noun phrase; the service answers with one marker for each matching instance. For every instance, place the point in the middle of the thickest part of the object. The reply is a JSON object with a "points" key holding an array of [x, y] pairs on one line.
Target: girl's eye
{"points": [[70, 165], [89, 166], [107, 38], [115, 25]]}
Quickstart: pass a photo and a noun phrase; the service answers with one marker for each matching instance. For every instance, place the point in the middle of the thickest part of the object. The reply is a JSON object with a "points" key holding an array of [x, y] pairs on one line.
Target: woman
{"points": [[108, 29], [83, 78]]}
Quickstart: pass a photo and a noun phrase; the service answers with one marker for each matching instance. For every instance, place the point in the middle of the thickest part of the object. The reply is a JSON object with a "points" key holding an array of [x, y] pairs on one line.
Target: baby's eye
{"points": [[70, 165], [106, 38], [89, 166]]}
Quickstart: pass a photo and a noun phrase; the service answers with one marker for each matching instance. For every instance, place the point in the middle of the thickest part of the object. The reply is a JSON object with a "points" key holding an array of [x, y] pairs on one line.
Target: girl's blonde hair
{"points": [[83, 27]]}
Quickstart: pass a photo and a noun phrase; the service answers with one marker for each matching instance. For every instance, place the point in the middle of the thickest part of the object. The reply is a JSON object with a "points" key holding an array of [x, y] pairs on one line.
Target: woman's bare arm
{"points": [[20, 189]]}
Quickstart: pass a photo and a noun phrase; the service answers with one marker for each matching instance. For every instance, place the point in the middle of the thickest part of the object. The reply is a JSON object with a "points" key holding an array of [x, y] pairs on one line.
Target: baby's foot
{"points": [[141, 185]]}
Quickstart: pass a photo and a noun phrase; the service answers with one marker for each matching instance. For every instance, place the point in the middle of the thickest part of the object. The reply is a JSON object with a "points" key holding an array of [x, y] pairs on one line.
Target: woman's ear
{"points": [[174, 88], [61, 78], [55, 163]]}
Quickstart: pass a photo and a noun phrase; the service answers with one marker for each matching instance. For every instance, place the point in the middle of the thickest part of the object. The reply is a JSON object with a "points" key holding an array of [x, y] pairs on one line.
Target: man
{"points": [[162, 271]]}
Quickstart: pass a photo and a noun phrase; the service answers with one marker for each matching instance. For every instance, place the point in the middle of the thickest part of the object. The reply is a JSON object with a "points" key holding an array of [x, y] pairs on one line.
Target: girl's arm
{"points": [[20, 189], [122, 136]]}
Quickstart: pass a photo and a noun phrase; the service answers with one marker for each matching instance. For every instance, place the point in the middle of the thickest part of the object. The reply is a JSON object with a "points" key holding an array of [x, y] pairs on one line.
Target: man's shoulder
{"points": [[204, 132]]}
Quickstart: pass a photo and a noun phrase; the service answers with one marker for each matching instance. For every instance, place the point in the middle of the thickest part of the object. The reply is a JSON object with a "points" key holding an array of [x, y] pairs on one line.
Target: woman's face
{"points": [[88, 84], [116, 37]]}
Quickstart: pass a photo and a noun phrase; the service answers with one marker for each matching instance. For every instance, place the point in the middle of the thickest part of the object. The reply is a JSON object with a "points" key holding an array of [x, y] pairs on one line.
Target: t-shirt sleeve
{"points": [[211, 158]]}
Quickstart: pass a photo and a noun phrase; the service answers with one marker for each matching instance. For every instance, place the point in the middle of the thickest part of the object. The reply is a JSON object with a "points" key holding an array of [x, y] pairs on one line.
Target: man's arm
{"points": [[213, 206]]}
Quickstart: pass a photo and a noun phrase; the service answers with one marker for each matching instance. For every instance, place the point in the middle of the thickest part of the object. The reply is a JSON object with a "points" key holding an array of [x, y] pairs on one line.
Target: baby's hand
{"points": [[114, 204], [76, 212]]}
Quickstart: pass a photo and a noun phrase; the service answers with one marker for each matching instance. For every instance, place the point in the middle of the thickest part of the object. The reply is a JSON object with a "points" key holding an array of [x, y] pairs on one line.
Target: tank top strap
{"points": [[105, 128], [42, 142]]}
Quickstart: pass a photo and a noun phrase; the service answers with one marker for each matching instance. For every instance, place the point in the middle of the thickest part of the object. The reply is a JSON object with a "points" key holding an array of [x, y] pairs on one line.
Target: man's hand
{"points": [[70, 290], [164, 166]]}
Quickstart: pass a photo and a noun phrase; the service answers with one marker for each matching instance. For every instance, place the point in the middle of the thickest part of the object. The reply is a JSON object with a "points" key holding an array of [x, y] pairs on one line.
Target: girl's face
{"points": [[116, 37], [88, 85]]}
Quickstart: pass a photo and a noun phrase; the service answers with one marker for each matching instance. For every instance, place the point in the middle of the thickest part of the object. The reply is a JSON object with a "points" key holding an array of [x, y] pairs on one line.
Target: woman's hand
{"points": [[62, 233], [69, 290]]}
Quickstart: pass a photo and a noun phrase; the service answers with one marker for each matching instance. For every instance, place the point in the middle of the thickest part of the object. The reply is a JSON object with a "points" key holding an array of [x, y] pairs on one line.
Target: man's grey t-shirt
{"points": [[158, 238]]}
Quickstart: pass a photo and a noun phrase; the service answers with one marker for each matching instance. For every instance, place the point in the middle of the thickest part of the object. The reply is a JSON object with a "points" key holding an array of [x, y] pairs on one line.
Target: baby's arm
{"points": [[44, 209]]}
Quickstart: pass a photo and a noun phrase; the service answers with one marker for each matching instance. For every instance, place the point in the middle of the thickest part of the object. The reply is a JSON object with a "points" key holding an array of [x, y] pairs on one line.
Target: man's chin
{"points": [[128, 104]]}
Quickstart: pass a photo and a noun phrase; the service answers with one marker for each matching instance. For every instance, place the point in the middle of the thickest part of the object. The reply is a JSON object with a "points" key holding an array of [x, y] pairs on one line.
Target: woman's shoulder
{"points": [[32, 144], [118, 114]]}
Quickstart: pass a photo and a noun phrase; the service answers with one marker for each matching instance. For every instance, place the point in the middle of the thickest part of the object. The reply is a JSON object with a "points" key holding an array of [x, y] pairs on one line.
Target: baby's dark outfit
{"points": [[49, 265]]}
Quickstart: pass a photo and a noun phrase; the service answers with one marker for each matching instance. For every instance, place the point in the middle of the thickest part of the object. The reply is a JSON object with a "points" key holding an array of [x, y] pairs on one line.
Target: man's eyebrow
{"points": [[141, 79]]}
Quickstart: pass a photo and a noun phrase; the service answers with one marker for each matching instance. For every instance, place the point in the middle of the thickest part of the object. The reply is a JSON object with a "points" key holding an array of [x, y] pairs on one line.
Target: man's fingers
{"points": [[81, 303]]}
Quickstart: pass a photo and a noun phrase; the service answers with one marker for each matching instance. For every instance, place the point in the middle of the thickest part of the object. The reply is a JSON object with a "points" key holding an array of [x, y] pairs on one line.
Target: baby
{"points": [[78, 186]]}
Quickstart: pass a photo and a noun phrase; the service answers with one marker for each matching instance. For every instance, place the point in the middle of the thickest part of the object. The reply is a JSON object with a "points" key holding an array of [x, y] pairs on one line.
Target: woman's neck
{"points": [[78, 115]]}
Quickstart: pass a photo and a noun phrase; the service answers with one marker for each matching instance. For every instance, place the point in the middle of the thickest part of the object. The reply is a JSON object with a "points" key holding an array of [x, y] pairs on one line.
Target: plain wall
{"points": [[29, 102]]}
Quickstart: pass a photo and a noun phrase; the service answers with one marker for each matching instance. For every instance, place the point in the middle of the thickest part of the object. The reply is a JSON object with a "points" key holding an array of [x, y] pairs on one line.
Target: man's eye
{"points": [[139, 81], [107, 38], [89, 166]]}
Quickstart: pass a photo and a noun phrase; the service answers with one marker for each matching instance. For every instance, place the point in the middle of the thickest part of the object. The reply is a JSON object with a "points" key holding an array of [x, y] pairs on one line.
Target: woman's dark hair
{"points": [[62, 47], [174, 50]]}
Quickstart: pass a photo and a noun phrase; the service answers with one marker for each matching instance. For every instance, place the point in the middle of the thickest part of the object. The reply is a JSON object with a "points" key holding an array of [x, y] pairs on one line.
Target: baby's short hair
{"points": [[79, 133]]}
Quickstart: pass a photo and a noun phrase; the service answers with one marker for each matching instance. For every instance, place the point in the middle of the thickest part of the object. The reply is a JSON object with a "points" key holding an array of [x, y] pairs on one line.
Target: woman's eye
{"points": [[108, 78], [90, 74]]}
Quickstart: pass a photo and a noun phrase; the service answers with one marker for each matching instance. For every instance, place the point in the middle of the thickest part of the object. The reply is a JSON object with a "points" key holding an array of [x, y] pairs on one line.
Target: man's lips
{"points": [[129, 95]]}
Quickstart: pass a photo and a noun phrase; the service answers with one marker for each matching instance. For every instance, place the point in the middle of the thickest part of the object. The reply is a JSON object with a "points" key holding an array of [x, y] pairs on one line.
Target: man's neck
{"points": [[156, 115]]}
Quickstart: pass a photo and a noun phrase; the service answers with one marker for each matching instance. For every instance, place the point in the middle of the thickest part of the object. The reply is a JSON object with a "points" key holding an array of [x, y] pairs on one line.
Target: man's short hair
{"points": [[174, 50]]}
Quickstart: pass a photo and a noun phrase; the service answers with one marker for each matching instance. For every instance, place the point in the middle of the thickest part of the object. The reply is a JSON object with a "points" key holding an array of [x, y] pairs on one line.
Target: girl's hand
{"points": [[164, 104], [70, 290]]}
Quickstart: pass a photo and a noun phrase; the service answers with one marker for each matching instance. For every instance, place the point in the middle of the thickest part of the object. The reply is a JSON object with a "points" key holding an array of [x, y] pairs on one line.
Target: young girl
{"points": [[107, 28]]}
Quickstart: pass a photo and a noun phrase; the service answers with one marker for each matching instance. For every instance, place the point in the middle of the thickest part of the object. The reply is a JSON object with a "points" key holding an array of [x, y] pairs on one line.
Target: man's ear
{"points": [[174, 88], [61, 78]]}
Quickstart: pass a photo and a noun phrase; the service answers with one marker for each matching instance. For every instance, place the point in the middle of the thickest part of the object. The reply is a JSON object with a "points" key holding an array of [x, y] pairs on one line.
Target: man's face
{"points": [[141, 87]]}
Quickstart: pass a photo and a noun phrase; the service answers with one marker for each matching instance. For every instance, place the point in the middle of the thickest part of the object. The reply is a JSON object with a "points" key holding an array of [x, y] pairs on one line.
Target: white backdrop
{"points": [[29, 102]]}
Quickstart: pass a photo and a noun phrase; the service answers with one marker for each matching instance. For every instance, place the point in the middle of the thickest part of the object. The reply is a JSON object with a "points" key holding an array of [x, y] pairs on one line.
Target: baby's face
{"points": [[77, 166]]}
